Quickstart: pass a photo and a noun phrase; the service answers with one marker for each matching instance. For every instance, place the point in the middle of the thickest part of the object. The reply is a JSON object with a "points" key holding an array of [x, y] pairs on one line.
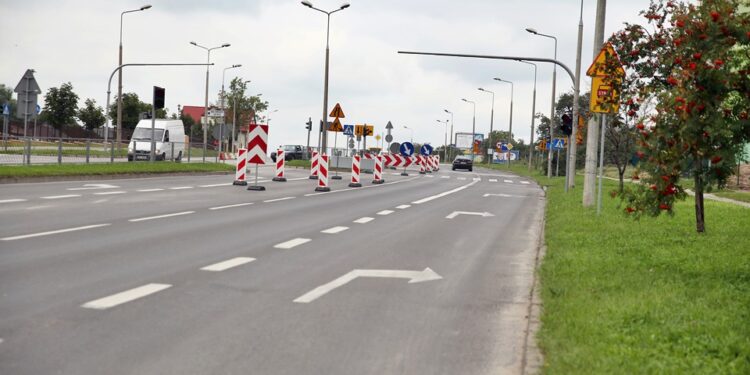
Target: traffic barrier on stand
{"points": [[378, 172], [421, 160], [437, 163], [323, 173], [355, 171], [257, 148], [314, 166], [280, 160], [239, 175]]}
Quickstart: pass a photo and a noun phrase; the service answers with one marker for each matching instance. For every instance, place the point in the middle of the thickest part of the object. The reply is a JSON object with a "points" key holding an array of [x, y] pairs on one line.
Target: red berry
{"points": [[692, 66], [630, 210], [672, 81], [718, 63], [715, 159], [664, 206], [697, 55], [715, 16], [665, 178], [680, 23], [640, 126]]}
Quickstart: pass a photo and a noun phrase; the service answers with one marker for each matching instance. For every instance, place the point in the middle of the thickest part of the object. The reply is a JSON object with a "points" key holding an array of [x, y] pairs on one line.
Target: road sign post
{"points": [[29, 88]]}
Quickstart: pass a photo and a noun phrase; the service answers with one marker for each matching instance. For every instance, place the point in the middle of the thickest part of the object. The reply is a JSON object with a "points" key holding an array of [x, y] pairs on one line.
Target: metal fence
{"points": [[27, 151]]}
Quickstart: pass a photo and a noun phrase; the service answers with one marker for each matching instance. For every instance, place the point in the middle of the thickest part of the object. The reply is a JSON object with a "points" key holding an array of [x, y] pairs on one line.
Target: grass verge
{"points": [[109, 169], [641, 297], [742, 196]]}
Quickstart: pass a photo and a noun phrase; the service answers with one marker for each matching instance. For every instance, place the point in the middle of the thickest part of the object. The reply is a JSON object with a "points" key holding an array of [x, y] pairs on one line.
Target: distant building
{"points": [[194, 112]]}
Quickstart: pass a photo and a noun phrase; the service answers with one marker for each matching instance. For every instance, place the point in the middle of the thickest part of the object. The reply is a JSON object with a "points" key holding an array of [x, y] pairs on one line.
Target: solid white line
{"points": [[62, 196], [292, 243], [278, 199], [53, 232], [230, 206], [126, 296], [148, 190], [334, 230], [429, 176], [403, 206], [227, 264], [364, 220], [12, 200], [508, 181], [477, 179], [493, 180], [215, 185], [298, 178], [161, 216], [424, 200], [180, 188], [385, 212], [110, 192]]}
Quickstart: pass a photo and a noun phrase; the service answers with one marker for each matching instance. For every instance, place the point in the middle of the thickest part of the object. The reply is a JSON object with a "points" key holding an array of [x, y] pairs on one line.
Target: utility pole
{"points": [[592, 136], [572, 146]]}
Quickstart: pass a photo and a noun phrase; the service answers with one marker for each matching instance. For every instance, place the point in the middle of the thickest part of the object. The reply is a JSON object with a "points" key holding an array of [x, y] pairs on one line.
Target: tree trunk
{"points": [[700, 225], [621, 172]]}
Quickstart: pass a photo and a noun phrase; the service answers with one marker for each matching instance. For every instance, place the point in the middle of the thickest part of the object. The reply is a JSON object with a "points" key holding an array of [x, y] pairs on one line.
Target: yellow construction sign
{"points": [[366, 130], [605, 84], [336, 126], [337, 112]]}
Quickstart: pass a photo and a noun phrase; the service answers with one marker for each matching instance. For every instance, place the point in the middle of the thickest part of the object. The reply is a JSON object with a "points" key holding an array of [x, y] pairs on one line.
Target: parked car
{"points": [[169, 136], [291, 152], [463, 162]]}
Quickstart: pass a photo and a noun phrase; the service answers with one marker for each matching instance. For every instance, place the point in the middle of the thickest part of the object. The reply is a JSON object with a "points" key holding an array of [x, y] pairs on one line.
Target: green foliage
{"points": [[132, 109], [245, 107], [60, 106], [91, 115], [6, 96], [689, 63]]}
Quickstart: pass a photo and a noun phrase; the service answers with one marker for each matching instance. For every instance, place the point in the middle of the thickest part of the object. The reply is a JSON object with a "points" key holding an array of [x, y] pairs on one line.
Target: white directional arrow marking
{"points": [[456, 213], [415, 277], [94, 187]]}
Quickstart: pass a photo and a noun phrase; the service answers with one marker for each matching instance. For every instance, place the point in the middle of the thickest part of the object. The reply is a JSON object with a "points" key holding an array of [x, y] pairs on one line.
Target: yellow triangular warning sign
{"points": [[337, 111], [336, 126], [599, 67]]}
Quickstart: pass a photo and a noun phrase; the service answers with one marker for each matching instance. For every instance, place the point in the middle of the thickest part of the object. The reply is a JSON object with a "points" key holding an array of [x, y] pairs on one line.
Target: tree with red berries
{"points": [[694, 63]]}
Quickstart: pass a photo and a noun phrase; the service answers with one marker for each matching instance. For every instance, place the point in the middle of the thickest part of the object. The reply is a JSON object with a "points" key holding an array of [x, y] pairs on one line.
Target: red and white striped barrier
{"points": [[314, 166], [355, 171], [437, 163], [378, 171], [239, 175], [323, 173], [257, 147], [280, 160], [421, 160]]}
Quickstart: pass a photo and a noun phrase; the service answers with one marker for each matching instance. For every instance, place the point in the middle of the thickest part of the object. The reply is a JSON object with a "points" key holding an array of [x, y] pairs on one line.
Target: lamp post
{"points": [[412, 134], [223, 99], [452, 140], [119, 82], [445, 144], [572, 143], [234, 116], [492, 119], [205, 105], [473, 127], [533, 115], [324, 130], [268, 116], [552, 110], [510, 125]]}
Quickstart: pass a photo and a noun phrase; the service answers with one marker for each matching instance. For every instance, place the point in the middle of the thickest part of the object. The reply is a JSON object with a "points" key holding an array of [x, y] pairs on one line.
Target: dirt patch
{"points": [[744, 180]]}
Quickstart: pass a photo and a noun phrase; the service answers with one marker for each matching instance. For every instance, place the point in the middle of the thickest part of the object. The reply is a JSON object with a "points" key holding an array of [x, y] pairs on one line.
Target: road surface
{"points": [[425, 274]]}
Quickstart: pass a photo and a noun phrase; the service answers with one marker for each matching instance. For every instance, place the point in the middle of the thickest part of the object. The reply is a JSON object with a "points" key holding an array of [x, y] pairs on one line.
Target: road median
{"points": [[40, 173]]}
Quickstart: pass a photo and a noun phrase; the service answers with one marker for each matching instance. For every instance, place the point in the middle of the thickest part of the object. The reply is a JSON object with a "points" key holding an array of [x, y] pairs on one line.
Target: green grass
{"points": [[109, 169], [743, 196], [643, 297], [298, 163]]}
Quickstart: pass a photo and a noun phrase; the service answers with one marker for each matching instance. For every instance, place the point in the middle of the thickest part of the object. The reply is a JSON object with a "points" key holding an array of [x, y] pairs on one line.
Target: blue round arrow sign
{"points": [[426, 150], [407, 149]]}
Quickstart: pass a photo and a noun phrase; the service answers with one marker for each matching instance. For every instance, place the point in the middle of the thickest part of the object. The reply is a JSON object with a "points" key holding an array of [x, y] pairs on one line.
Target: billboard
{"points": [[464, 142]]}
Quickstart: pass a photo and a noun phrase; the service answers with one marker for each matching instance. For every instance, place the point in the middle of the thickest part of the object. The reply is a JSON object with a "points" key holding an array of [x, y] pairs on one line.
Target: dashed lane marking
{"points": [[292, 243], [493, 180], [62, 196], [436, 196], [525, 182], [334, 230], [40, 234], [111, 192], [149, 190], [180, 188], [508, 181], [403, 206], [385, 212], [364, 220], [230, 206], [278, 199], [12, 200], [161, 216], [227, 264], [124, 297], [215, 185]]}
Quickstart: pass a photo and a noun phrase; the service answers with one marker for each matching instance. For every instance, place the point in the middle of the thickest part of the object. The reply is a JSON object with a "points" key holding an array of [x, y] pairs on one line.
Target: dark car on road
{"points": [[463, 162], [291, 152]]}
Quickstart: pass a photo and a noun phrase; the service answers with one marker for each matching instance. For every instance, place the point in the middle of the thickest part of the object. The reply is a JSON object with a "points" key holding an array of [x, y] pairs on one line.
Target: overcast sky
{"points": [[281, 46]]}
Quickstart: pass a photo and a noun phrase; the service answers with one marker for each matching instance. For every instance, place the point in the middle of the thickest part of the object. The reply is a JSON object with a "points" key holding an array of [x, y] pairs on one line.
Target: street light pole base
{"points": [[322, 189], [257, 188]]}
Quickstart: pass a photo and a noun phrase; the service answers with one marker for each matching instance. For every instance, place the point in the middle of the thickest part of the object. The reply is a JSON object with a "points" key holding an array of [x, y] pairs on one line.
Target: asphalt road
{"points": [[190, 275]]}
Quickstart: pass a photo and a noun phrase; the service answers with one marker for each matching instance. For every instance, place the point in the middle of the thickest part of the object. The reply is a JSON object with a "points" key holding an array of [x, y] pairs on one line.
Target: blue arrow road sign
{"points": [[407, 149], [6, 109], [426, 150], [348, 129], [38, 109], [504, 147]]}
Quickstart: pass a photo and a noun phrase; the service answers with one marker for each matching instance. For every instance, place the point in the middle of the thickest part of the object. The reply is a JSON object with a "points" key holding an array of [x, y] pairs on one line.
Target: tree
{"points": [[246, 106], [91, 115], [690, 64], [6, 96], [60, 106], [132, 109]]}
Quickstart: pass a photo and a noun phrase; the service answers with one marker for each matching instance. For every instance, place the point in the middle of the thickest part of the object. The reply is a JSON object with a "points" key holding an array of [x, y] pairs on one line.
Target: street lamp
{"points": [[205, 105], [552, 110], [223, 99], [119, 82], [452, 140], [492, 119], [533, 115], [510, 125], [412, 134], [445, 144], [323, 137], [473, 127], [268, 116]]}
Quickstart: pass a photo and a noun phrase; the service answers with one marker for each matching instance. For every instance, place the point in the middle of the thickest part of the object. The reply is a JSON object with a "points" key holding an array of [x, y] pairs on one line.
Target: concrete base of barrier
{"points": [[256, 188], [355, 184], [239, 183], [378, 182], [279, 179], [322, 189], [336, 177]]}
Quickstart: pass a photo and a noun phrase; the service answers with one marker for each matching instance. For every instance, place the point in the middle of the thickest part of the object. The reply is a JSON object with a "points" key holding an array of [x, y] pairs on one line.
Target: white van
{"points": [[169, 136]]}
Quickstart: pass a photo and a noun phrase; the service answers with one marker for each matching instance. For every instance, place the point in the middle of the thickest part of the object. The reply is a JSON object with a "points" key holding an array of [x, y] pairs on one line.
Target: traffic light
{"points": [[567, 125], [158, 97], [308, 125]]}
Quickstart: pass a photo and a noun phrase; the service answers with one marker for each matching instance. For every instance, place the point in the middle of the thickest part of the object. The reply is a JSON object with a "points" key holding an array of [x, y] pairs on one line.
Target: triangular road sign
{"points": [[389, 126], [27, 83], [599, 67], [337, 112], [336, 126]]}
